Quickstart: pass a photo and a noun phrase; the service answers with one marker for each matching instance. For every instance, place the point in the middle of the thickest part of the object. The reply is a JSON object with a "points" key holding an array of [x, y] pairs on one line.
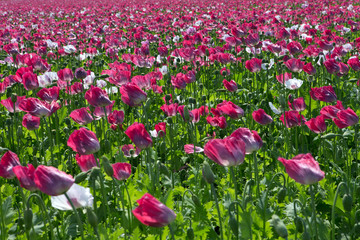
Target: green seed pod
{"points": [[186, 114], [92, 218], [281, 195], [196, 200], [81, 177], [203, 98], [234, 225], [190, 234], [347, 202], [107, 166], [28, 218], [279, 226], [306, 236], [299, 224], [207, 173]]}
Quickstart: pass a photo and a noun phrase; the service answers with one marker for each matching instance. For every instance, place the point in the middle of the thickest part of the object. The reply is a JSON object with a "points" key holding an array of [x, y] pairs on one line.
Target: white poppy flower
{"points": [[273, 108], [80, 197], [293, 83]]}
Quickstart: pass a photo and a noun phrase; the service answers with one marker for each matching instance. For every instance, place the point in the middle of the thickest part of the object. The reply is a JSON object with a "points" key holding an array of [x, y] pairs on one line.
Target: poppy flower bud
{"points": [[190, 233], [234, 225], [281, 195], [107, 166], [28, 219], [163, 169], [95, 172], [92, 218], [207, 173], [196, 200], [152, 212], [14, 97], [299, 224], [279, 226], [347, 202], [81, 177]]}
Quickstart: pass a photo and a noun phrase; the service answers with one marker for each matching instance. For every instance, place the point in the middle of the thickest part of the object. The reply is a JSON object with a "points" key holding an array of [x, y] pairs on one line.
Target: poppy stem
{"points": [[77, 216], [333, 210], [235, 182], [129, 206], [218, 210], [314, 222], [171, 232], [256, 176], [44, 210]]}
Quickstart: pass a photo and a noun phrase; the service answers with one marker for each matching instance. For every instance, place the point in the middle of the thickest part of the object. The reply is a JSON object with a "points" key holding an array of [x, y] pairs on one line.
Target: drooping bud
{"points": [[207, 173]]}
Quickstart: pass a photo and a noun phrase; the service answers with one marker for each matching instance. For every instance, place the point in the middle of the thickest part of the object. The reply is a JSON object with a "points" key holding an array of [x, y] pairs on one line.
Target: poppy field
{"points": [[206, 119]]}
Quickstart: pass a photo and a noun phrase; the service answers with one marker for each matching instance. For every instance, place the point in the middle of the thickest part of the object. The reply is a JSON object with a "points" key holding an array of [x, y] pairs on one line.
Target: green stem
{"points": [[77, 216], [171, 232], [256, 176], [314, 222], [44, 210], [332, 229], [218, 210]]}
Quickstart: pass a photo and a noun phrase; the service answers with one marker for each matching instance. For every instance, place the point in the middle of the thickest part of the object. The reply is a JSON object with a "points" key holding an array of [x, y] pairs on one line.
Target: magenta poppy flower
{"points": [[86, 162], [189, 149], [9, 105], [179, 81], [324, 94], [309, 69], [8, 161], [170, 110], [283, 77], [293, 119], [354, 63], [226, 152], [332, 66], [152, 212], [80, 73], [122, 171], [294, 65], [139, 136], [30, 81], [49, 94], [30, 122], [130, 151], [52, 181], [252, 140], [303, 169], [346, 118], [81, 116], [26, 175], [132, 95], [84, 142], [317, 125], [330, 112], [294, 47], [116, 117], [65, 74], [160, 129], [97, 97], [230, 109], [35, 107], [217, 121], [261, 117], [298, 104], [231, 86], [253, 65]]}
